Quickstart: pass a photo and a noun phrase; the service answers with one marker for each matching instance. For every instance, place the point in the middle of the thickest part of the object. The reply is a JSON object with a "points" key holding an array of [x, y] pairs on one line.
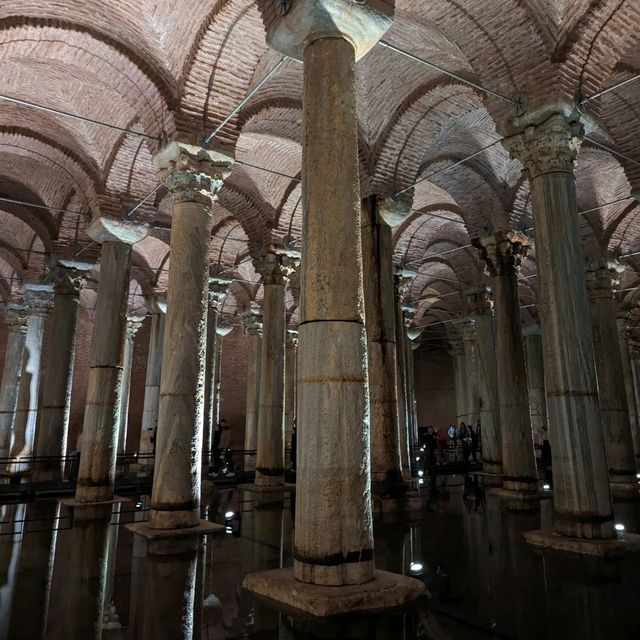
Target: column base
{"points": [[73, 503], [520, 500], [625, 490], [287, 487], [490, 479], [385, 591], [92, 510], [409, 502], [623, 545]]}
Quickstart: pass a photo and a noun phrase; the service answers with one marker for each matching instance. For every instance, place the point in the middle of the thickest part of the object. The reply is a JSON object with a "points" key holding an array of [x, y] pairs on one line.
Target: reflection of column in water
{"points": [[627, 513], [524, 580], [33, 577], [169, 591], [111, 619], [267, 553], [9, 551], [390, 546], [492, 567], [80, 576], [138, 580], [590, 599]]}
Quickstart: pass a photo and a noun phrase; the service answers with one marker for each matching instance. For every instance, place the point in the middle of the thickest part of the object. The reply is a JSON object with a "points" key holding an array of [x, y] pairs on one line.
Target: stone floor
{"points": [[484, 581]]}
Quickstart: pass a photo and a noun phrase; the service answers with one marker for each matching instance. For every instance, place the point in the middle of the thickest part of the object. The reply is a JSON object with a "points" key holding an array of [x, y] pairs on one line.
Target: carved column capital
{"points": [[402, 281], [603, 276], [550, 146], [456, 344], [191, 173], [38, 299], [275, 267], [252, 321], [68, 278], [16, 317], [218, 290], [479, 301], [133, 325], [292, 338], [157, 304], [623, 318], [503, 251]]}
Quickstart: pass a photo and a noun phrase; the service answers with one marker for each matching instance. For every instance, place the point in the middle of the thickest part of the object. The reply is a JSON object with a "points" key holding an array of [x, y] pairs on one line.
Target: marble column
{"points": [[535, 377], [157, 308], [193, 177], [133, 325], [547, 143], [471, 372], [402, 282], [290, 358], [456, 350], [634, 352], [481, 308], [377, 254], [68, 278], [218, 289], [627, 375], [502, 253], [252, 322], [99, 443], [275, 269], [222, 330], [602, 275], [15, 318], [38, 299]]}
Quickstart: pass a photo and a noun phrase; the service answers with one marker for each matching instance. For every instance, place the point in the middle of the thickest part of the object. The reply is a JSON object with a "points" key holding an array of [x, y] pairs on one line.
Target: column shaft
{"points": [[210, 372], [582, 499], [133, 324], [290, 385], [332, 378], [53, 421], [152, 382], [253, 326], [502, 253], [627, 375], [193, 177], [377, 249], [99, 444], [16, 321], [535, 378]]}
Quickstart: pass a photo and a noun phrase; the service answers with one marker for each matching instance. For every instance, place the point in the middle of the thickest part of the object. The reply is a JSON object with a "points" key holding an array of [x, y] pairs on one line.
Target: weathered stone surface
{"points": [[252, 321], [384, 591]]}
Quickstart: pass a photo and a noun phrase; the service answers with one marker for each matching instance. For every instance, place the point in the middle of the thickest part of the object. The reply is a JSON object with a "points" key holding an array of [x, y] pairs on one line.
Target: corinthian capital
{"points": [[16, 317], [275, 267], [68, 277], [479, 301], [190, 173], [402, 280], [218, 290], [603, 275], [133, 325], [252, 321], [550, 146], [503, 251], [38, 298]]}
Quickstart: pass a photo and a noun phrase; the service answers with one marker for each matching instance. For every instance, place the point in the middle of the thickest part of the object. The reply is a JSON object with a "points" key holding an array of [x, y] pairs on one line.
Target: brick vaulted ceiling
{"points": [[167, 68]]}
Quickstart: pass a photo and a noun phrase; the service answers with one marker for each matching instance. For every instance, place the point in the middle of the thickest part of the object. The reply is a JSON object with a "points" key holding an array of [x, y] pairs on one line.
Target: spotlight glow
{"points": [[420, 481], [415, 568], [421, 473], [619, 527], [417, 458], [546, 487], [229, 515]]}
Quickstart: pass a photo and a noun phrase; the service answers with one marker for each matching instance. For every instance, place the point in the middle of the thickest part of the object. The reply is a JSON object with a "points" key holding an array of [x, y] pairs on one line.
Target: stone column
{"points": [[411, 335], [634, 352], [627, 374], [535, 377], [15, 318], [333, 487], [222, 330], [503, 252], [402, 281], [456, 350], [275, 270], [68, 278], [471, 373], [218, 289], [581, 494], [38, 299], [481, 308], [99, 443], [252, 321], [601, 276], [377, 253], [193, 176], [291, 354], [158, 309], [133, 325]]}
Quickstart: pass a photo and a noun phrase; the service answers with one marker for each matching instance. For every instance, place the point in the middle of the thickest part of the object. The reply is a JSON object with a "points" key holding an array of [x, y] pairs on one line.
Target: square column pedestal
{"points": [[622, 545], [385, 591]]}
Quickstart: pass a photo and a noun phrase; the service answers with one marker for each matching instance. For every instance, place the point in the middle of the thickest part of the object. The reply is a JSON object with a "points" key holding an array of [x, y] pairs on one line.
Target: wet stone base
{"points": [[398, 505], [173, 535], [520, 500], [385, 591], [261, 488], [623, 545], [489, 479]]}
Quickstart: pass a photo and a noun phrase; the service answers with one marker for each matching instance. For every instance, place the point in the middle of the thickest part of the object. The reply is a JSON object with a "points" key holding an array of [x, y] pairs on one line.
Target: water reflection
{"points": [[81, 575]]}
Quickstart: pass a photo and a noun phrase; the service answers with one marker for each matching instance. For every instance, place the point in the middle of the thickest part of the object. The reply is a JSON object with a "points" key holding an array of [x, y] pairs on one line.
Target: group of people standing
{"points": [[464, 437]]}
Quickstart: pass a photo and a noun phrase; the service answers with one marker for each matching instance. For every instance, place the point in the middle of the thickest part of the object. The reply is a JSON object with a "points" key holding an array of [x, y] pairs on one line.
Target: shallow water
{"points": [[62, 579]]}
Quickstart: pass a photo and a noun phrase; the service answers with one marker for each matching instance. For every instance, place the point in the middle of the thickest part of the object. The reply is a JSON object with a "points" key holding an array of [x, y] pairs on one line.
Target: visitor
{"points": [[465, 442], [545, 458], [224, 449], [431, 444], [473, 435], [294, 447], [441, 439]]}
